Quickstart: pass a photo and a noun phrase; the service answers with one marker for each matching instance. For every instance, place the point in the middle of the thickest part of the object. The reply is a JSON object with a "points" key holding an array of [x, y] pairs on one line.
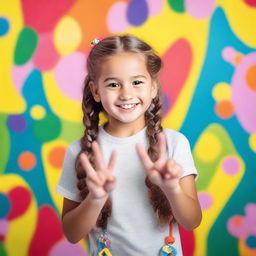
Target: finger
{"points": [[173, 170], [165, 166], [148, 164], [86, 165], [177, 171], [98, 156], [161, 145], [97, 191], [110, 185], [102, 177], [155, 177], [90, 172], [112, 160], [170, 164]]}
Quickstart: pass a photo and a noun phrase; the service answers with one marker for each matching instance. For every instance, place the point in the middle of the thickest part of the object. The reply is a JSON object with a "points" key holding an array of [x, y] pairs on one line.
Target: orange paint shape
{"points": [[238, 58], [27, 161], [251, 77], [244, 250], [92, 19], [224, 109], [56, 156], [237, 220]]}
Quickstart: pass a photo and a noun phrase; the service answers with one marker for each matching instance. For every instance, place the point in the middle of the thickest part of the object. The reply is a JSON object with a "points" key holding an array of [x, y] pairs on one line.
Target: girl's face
{"points": [[125, 88]]}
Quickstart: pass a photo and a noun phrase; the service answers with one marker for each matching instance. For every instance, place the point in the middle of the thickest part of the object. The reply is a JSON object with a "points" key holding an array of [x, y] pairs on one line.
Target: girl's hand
{"points": [[100, 181], [164, 173]]}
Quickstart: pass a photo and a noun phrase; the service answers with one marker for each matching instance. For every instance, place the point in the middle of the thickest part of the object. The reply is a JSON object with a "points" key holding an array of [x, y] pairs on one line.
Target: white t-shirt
{"points": [[132, 228]]}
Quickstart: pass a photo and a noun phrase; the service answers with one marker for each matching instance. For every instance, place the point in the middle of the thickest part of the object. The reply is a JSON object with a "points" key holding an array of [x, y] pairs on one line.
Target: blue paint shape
{"points": [[137, 12], [5, 206], [17, 123], [4, 26], [251, 242]]}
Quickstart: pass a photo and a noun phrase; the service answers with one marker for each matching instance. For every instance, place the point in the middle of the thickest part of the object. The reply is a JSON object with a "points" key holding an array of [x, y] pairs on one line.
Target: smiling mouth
{"points": [[128, 106]]}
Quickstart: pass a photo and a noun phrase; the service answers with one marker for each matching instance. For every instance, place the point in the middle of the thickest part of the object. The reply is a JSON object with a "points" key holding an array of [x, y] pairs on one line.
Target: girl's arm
{"points": [[78, 219], [184, 203], [181, 192]]}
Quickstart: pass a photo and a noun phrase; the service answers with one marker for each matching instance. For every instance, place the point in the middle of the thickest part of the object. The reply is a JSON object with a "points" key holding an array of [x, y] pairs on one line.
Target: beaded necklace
{"points": [[104, 245]]}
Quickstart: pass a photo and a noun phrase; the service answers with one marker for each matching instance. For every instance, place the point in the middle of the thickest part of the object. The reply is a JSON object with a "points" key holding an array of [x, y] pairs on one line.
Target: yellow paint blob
{"points": [[241, 18], [208, 147], [13, 12], [67, 35], [221, 91], [37, 112], [252, 141]]}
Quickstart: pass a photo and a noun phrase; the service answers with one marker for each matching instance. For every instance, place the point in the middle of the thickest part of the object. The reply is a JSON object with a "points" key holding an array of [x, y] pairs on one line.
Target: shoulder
{"points": [[74, 147], [177, 142], [174, 137]]}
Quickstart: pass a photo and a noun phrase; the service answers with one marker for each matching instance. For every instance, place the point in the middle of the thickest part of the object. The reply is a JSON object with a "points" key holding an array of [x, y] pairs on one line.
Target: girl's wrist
{"points": [[172, 191], [93, 199]]}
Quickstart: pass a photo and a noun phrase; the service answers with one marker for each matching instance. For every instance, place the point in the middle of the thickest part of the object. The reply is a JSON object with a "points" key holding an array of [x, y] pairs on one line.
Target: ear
{"points": [[154, 89], [95, 91]]}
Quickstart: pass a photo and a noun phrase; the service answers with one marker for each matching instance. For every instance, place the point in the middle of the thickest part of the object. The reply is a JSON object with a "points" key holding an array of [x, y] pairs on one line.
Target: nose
{"points": [[126, 93]]}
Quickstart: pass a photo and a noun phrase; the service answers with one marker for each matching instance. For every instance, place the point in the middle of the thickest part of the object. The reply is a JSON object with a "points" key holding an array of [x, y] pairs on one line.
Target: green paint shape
{"points": [[71, 131], [47, 129], [2, 250], [177, 5], [207, 170], [4, 143], [26, 45]]}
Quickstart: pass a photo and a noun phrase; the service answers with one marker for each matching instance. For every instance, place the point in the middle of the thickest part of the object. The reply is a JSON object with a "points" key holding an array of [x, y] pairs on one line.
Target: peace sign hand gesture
{"points": [[164, 173], [100, 180]]}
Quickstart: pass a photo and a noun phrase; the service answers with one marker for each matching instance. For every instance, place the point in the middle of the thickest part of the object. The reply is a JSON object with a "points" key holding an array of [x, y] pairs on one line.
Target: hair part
{"points": [[91, 109]]}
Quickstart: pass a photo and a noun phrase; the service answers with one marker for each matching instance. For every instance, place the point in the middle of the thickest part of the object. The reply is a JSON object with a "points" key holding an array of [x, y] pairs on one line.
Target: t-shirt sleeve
{"points": [[68, 181], [183, 156]]}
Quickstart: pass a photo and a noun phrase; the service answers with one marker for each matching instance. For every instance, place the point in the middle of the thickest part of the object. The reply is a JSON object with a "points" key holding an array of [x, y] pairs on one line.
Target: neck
{"points": [[123, 130]]}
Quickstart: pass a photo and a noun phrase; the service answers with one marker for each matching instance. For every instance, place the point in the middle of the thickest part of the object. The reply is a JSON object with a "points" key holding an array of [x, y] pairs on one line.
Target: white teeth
{"points": [[127, 106]]}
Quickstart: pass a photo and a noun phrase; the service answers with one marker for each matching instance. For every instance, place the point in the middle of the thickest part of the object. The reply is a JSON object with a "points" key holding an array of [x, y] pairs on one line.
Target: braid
{"points": [[157, 198], [91, 110]]}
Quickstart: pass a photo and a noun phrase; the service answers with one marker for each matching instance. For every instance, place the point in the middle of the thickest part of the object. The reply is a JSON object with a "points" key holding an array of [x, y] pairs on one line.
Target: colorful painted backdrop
{"points": [[209, 84]]}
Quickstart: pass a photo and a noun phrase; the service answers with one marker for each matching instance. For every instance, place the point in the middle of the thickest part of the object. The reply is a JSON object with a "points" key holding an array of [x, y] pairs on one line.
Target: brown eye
{"points": [[113, 85], [137, 82]]}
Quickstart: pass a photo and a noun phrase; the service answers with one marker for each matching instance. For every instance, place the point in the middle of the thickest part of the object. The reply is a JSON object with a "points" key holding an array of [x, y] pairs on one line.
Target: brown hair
{"points": [[91, 109]]}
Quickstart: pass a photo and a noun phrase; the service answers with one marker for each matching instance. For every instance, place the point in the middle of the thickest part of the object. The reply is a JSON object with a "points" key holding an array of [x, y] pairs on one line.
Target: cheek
{"points": [[146, 95], [107, 97]]}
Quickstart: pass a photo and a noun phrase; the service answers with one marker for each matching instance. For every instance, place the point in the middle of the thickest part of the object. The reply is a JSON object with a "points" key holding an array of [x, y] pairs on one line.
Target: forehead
{"points": [[124, 64]]}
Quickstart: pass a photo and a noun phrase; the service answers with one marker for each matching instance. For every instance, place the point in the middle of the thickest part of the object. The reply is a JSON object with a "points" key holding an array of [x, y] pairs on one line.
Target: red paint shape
{"points": [[187, 241], [251, 3], [177, 64], [46, 55], [20, 198], [48, 232], [43, 15]]}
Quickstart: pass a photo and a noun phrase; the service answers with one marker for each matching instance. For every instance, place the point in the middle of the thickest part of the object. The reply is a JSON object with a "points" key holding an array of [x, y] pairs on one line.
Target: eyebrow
{"points": [[133, 77]]}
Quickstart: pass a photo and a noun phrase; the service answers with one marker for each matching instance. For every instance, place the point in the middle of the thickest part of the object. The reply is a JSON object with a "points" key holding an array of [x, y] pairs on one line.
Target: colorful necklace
{"points": [[104, 245], [168, 249]]}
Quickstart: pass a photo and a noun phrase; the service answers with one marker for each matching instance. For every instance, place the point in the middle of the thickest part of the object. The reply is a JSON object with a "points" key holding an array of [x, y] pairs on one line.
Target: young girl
{"points": [[127, 183]]}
